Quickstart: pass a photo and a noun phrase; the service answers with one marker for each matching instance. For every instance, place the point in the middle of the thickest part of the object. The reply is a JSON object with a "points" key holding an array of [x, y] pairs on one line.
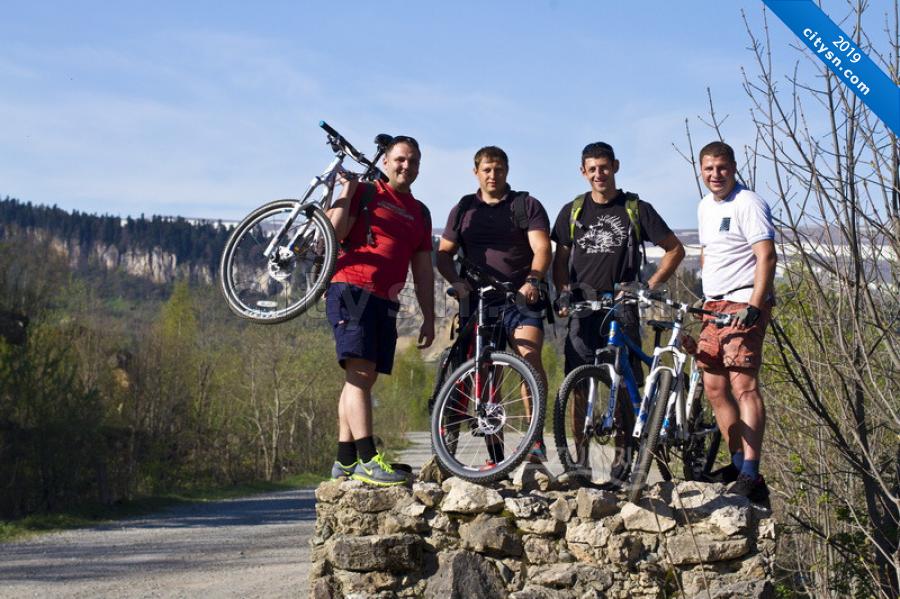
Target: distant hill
{"points": [[158, 248]]}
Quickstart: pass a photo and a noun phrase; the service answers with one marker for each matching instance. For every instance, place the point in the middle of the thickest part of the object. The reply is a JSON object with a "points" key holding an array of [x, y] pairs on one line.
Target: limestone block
{"points": [[540, 550], [650, 515], [541, 526], [371, 500], [561, 509], [468, 498], [490, 534], [687, 548], [395, 553], [464, 575], [594, 503], [526, 507], [429, 494], [329, 492], [624, 549]]}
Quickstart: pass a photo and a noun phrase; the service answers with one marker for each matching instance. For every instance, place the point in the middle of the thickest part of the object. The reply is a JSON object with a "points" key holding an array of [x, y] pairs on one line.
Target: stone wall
{"points": [[457, 539]]}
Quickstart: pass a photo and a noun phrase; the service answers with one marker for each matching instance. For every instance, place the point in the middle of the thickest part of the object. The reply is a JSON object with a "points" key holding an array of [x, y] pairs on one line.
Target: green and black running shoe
{"points": [[338, 470], [378, 472]]}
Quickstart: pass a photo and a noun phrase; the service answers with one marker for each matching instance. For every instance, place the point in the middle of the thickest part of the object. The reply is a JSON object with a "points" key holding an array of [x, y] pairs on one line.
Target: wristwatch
{"points": [[534, 281]]}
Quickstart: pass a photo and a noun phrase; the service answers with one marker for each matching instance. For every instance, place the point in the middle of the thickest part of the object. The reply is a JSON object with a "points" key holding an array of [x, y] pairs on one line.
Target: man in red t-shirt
{"points": [[361, 302]]}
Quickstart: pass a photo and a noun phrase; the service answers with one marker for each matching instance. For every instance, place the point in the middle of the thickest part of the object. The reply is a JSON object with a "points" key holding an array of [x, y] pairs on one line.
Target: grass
{"points": [[94, 513]]}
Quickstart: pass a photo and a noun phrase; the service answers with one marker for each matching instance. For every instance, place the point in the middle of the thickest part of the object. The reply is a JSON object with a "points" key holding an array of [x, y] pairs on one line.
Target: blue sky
{"points": [[208, 109]]}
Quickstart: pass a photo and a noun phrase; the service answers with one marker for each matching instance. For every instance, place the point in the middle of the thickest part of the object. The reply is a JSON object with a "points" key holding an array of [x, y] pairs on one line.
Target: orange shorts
{"points": [[732, 346]]}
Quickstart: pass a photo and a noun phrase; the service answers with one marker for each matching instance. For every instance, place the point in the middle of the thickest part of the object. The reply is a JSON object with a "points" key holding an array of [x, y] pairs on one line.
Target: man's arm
{"points": [[764, 275], [446, 251], [339, 213], [669, 262], [540, 247], [423, 279], [561, 267]]}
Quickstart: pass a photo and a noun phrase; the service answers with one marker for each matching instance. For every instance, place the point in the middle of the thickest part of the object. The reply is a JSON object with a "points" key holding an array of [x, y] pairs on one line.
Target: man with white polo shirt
{"points": [[737, 264]]}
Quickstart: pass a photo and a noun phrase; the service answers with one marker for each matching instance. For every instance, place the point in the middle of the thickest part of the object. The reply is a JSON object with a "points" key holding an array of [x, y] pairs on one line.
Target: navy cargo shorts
{"points": [[364, 325]]}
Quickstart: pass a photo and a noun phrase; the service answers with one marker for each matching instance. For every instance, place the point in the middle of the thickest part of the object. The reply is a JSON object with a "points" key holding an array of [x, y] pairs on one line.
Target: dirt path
{"points": [[249, 547]]}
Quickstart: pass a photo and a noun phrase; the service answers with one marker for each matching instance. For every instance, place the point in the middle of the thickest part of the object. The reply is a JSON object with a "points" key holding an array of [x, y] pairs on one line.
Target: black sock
{"points": [[346, 452], [365, 448]]}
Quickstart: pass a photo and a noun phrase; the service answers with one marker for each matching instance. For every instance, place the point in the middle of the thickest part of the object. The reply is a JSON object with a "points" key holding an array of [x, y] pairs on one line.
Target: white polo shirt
{"points": [[728, 229]]}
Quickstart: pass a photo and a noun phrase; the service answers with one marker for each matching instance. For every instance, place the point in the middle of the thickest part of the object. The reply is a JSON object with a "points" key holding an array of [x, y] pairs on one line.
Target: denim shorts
{"points": [[364, 325], [514, 317]]}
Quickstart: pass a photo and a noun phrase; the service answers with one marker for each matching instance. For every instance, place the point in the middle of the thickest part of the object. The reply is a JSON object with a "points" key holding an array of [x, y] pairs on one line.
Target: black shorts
{"points": [[585, 335], [365, 325]]}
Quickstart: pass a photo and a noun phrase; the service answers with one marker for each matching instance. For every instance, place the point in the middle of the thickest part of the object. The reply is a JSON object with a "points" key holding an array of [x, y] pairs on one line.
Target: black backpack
{"points": [[520, 216]]}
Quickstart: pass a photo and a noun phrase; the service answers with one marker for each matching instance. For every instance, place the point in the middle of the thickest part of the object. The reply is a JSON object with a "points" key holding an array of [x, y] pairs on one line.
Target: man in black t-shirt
{"points": [[595, 253], [510, 242]]}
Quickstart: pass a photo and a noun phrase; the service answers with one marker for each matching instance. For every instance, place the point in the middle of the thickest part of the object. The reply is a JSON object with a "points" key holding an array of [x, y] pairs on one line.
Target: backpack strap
{"points": [[574, 213], [462, 207], [520, 215], [632, 209], [367, 194]]}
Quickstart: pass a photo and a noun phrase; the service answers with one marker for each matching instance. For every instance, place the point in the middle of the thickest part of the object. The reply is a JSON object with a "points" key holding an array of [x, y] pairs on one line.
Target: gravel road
{"points": [[249, 547]]}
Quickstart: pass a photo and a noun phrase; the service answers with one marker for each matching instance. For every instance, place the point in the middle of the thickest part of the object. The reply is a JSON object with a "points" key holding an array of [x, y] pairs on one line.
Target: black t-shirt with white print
{"points": [[599, 250]]}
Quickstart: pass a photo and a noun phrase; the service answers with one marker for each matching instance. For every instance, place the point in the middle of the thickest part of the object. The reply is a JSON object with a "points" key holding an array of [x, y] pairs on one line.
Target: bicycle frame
{"points": [[342, 149], [620, 374]]}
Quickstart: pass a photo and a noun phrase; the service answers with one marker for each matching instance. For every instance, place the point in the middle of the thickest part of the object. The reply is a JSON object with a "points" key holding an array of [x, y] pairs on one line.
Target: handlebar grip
{"points": [[328, 129]]}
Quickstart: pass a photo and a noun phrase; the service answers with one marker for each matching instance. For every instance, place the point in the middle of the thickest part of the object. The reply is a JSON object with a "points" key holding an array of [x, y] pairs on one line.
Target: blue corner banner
{"points": [[841, 54]]}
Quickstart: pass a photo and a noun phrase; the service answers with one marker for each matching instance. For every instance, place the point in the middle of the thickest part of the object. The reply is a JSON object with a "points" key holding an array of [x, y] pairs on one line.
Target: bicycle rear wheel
{"points": [[702, 446], [278, 288], [484, 447], [583, 449], [648, 444]]}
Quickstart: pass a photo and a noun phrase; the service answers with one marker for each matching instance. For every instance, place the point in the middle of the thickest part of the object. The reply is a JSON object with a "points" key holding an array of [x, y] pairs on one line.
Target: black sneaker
{"points": [[725, 474], [760, 494], [754, 489]]}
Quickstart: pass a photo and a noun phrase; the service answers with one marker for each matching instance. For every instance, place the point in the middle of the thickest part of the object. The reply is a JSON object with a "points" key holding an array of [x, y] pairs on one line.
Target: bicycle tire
{"points": [[269, 291], [578, 458], [647, 448], [461, 457], [440, 374], [702, 446]]}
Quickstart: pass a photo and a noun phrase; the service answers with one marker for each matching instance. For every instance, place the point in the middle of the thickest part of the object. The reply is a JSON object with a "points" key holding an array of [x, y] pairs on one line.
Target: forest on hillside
{"points": [[123, 388]]}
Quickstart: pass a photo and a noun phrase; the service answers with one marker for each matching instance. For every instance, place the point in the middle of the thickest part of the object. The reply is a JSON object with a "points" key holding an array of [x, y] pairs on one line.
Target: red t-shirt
{"points": [[400, 228]]}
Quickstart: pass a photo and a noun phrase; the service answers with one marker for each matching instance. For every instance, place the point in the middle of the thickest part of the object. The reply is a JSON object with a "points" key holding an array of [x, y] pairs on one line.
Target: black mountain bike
{"points": [[487, 413]]}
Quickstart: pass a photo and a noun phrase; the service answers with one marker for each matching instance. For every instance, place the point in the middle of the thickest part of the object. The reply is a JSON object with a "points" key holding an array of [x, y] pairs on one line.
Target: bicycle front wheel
{"points": [[648, 449], [482, 441], [282, 286], [580, 443]]}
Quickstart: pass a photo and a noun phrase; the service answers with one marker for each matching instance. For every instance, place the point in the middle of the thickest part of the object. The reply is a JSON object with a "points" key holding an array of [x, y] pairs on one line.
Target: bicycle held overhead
{"points": [[279, 259]]}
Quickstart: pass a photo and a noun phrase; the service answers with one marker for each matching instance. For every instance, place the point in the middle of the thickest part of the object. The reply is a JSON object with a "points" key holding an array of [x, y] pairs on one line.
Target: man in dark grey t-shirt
{"points": [[595, 252], [507, 234]]}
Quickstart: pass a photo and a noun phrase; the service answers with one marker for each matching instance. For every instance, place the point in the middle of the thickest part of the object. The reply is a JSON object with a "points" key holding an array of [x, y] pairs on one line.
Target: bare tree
{"points": [[830, 170]]}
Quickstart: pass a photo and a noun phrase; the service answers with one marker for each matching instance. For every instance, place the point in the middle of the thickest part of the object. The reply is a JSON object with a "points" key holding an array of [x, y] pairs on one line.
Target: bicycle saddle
{"points": [[661, 325]]}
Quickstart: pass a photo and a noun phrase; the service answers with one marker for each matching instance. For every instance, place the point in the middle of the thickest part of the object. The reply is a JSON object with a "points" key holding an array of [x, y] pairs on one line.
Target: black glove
{"points": [[563, 301], [746, 317]]}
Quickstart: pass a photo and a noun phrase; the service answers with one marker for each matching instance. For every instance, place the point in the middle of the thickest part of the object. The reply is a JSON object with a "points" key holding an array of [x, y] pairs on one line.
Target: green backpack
{"points": [[631, 207]]}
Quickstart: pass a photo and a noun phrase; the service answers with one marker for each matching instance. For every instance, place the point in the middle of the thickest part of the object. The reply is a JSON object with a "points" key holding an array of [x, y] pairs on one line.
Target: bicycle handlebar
{"points": [[481, 279], [339, 143]]}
